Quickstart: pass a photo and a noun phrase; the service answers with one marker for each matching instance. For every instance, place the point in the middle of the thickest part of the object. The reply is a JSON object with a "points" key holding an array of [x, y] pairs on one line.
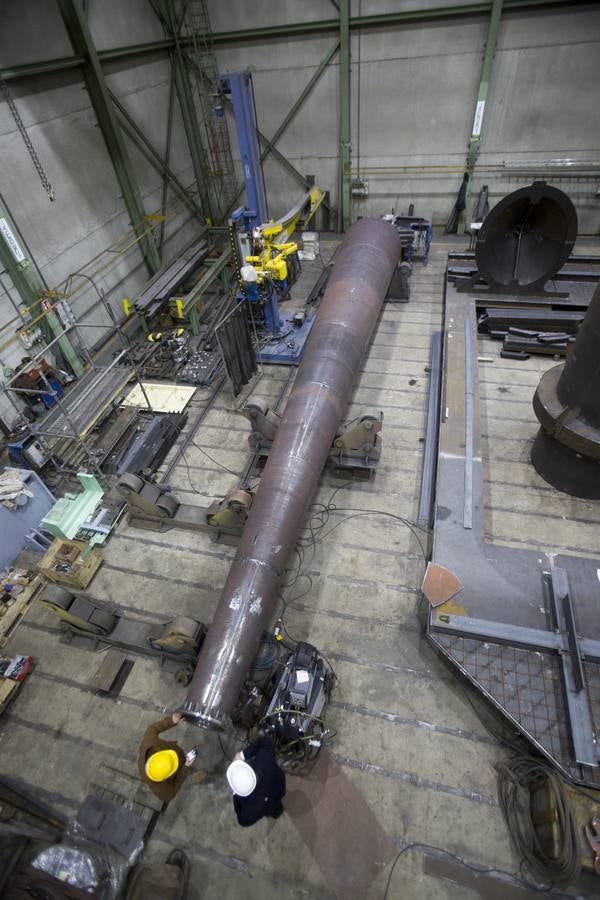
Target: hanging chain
{"points": [[30, 148]]}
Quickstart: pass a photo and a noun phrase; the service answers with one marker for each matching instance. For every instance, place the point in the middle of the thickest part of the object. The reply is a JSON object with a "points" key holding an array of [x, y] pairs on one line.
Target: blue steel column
{"points": [[239, 86]]}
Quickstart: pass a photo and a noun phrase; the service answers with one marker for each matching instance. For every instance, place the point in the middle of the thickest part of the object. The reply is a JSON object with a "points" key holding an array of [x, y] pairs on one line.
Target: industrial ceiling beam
{"points": [[380, 20], [31, 289], [165, 190], [345, 200], [83, 45], [484, 84], [154, 156], [303, 95], [166, 13]]}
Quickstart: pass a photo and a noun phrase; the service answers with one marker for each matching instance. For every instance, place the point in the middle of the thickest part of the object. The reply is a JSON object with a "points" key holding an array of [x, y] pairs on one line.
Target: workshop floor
{"points": [[409, 740]]}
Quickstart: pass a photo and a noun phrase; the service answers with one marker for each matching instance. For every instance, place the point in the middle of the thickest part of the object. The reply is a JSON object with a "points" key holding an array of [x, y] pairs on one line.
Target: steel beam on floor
{"points": [[83, 45]]}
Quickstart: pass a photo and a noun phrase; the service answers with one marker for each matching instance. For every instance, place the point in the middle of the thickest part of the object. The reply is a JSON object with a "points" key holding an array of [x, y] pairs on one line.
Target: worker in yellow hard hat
{"points": [[162, 764]]}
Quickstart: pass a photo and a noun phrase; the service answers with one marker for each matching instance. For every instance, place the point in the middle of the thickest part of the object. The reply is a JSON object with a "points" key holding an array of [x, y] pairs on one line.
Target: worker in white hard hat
{"points": [[257, 783], [163, 764]]}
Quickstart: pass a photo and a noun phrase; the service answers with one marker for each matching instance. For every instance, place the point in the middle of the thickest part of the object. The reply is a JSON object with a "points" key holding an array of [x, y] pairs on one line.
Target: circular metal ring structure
{"points": [[566, 452], [526, 239]]}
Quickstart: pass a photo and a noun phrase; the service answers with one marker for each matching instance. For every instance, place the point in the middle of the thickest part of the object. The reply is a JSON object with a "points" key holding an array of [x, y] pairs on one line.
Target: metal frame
{"points": [[269, 143], [564, 641], [43, 430], [161, 165], [30, 287], [79, 34], [214, 268], [319, 26], [165, 190], [381, 20], [524, 625], [345, 201], [166, 13], [239, 402], [239, 86], [176, 45]]}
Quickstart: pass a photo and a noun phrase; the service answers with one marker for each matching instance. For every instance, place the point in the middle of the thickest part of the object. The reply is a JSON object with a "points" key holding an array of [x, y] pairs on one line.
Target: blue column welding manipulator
{"points": [[238, 85]]}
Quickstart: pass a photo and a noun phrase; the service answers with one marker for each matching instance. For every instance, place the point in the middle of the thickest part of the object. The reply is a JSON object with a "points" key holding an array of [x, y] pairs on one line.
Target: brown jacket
{"points": [[151, 742]]}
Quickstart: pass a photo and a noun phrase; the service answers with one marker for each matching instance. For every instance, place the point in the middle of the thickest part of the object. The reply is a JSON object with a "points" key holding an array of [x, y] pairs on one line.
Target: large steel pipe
{"points": [[345, 322]]}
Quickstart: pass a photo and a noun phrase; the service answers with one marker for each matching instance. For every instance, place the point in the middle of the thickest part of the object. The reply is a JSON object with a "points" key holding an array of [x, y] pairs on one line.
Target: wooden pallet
{"points": [[81, 570], [13, 615], [9, 690]]}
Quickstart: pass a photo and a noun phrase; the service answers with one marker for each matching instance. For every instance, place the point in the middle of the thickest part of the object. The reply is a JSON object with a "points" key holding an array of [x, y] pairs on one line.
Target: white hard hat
{"points": [[241, 778]]}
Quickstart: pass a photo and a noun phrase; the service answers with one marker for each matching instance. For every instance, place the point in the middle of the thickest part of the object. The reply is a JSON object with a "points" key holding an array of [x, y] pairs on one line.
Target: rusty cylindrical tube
{"points": [[338, 340], [566, 451]]}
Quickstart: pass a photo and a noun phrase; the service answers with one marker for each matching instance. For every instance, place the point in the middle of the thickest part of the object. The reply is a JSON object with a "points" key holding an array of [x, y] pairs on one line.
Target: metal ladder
{"points": [[195, 24]]}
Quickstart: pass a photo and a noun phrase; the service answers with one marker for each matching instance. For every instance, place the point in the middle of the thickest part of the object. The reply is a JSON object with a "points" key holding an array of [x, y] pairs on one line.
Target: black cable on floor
{"points": [[478, 870], [515, 781]]}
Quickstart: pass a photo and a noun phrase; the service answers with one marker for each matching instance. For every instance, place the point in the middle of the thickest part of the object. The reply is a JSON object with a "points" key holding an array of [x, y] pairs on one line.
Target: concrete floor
{"points": [[408, 737]]}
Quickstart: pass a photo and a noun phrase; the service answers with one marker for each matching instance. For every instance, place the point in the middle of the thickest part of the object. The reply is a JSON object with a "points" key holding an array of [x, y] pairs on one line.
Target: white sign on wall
{"points": [[11, 240], [478, 118]]}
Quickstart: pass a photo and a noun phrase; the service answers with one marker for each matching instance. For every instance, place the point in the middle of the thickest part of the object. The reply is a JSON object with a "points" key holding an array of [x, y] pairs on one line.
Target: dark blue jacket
{"points": [[265, 799]]}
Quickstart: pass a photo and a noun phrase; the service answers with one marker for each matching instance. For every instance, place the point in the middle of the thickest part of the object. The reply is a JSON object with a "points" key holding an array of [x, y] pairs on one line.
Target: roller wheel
{"points": [[167, 505], [58, 597], [369, 422], [102, 621], [184, 676], [257, 406], [130, 484]]}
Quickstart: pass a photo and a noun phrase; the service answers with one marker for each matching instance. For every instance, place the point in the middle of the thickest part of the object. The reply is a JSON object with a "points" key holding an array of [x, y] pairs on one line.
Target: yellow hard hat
{"points": [[161, 765]]}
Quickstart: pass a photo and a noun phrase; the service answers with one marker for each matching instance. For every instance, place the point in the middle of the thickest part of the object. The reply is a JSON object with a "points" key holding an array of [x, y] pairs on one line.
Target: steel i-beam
{"points": [[484, 84], [345, 203]]}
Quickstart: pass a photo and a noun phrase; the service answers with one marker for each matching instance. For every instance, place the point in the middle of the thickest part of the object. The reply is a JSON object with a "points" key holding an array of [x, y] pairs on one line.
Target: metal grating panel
{"points": [[527, 686]]}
